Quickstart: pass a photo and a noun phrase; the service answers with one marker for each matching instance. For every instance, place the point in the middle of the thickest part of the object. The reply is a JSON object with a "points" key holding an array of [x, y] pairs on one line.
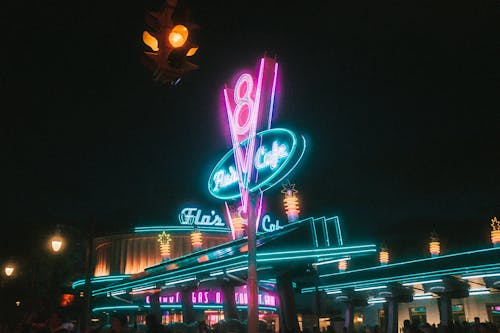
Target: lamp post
{"points": [[57, 244], [6, 298]]}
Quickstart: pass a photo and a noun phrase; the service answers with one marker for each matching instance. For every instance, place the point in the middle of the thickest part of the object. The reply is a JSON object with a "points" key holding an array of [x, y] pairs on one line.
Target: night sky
{"points": [[399, 102]]}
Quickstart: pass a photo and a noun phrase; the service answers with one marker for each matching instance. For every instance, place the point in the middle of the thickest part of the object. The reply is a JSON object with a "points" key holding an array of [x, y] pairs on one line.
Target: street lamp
{"points": [[57, 244], [9, 269]]}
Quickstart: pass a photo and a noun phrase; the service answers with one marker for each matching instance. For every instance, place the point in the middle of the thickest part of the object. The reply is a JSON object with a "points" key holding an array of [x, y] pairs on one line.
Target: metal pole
{"points": [[252, 286], [87, 291], [318, 306]]}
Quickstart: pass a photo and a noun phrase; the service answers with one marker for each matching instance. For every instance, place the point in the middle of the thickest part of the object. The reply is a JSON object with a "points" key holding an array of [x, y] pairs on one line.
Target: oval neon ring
{"points": [[275, 157]]}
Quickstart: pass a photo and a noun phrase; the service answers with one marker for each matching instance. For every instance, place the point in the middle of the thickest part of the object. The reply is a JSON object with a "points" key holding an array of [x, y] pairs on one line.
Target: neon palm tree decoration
{"points": [[165, 241]]}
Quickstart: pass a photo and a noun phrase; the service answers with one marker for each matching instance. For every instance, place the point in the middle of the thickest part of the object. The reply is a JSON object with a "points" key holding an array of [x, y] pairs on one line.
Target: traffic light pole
{"points": [[252, 284]]}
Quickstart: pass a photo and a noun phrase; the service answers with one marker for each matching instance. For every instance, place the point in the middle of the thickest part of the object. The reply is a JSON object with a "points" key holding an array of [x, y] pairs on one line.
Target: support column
{"points": [[391, 317], [445, 313], [187, 306], [230, 311], [155, 306], [288, 311], [252, 282], [349, 317], [318, 307]]}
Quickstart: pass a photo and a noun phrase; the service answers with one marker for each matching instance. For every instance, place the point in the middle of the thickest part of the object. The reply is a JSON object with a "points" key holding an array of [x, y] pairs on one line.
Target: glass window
{"points": [[494, 313], [458, 313], [418, 314], [381, 319]]}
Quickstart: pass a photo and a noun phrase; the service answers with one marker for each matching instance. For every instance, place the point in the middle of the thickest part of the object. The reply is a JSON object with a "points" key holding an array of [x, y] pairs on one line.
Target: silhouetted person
{"points": [[56, 321], [119, 324], [406, 326], [476, 327], [153, 324]]}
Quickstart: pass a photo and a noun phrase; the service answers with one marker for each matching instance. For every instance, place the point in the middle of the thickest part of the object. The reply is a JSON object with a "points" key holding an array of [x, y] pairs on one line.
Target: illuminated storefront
{"points": [[210, 264]]}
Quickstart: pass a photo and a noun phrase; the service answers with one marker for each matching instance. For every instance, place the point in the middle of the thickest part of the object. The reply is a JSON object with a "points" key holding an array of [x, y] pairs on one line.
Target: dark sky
{"points": [[399, 101]]}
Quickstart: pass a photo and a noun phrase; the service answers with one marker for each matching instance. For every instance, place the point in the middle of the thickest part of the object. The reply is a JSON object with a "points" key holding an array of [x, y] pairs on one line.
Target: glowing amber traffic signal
{"points": [[150, 41], [191, 52], [168, 45], [178, 36]]}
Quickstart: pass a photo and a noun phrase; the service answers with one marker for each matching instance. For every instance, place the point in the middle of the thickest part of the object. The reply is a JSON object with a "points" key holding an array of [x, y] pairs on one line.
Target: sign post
{"points": [[252, 282], [257, 161]]}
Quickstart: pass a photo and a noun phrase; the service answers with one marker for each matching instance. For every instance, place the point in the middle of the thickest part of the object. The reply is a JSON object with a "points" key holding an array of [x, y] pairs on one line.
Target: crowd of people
{"points": [[56, 322], [454, 327]]}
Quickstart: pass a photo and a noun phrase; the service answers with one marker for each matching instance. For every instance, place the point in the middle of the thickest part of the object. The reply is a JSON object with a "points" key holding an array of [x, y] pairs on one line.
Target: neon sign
{"points": [[214, 297], [260, 157], [267, 225], [279, 149], [192, 216], [242, 113]]}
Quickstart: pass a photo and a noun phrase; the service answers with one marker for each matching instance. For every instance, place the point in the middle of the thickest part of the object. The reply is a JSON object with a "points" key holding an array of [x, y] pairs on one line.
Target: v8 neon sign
{"points": [[261, 159], [243, 113]]}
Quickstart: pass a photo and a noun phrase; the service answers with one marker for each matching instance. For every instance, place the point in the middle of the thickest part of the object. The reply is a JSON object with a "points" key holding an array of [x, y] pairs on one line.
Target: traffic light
{"points": [[169, 44]]}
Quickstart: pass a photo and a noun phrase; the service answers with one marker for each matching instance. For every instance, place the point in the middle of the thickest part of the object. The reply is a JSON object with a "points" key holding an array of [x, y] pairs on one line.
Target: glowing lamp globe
{"points": [[238, 226], [342, 266], [56, 243], [495, 232], [291, 202], [9, 270], [178, 36], [383, 257], [434, 246]]}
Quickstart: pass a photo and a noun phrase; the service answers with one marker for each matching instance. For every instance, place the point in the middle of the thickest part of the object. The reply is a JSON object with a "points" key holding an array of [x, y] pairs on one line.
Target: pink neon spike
{"points": [[259, 212], [271, 105], [244, 160], [230, 219]]}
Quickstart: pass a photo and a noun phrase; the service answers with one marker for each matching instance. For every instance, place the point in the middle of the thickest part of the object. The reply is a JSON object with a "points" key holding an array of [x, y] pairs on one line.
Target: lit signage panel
{"points": [[261, 156], [215, 297], [268, 225], [279, 151], [193, 216]]}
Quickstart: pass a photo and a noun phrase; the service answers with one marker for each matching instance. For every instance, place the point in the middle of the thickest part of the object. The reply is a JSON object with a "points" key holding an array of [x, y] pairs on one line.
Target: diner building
{"points": [[186, 273]]}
